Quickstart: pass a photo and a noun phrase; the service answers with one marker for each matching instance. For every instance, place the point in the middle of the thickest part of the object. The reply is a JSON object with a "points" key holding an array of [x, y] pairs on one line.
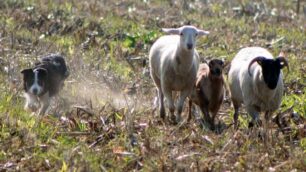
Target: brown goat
{"points": [[209, 90]]}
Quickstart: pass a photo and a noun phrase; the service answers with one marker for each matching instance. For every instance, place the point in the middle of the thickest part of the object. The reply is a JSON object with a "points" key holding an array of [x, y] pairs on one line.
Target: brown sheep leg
{"points": [[189, 110], [206, 118]]}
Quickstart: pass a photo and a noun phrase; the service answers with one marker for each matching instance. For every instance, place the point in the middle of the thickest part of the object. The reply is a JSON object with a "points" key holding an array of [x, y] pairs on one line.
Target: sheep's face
{"points": [[188, 35], [270, 69], [216, 67]]}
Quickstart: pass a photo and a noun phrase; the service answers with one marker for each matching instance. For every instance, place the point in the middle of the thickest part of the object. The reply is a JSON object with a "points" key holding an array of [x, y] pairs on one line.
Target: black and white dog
{"points": [[44, 81]]}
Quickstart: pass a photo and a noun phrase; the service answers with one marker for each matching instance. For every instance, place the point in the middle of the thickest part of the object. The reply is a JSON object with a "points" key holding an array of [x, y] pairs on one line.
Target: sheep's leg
{"points": [[168, 95], [213, 127], [189, 110], [206, 118], [156, 80], [254, 114], [183, 96], [162, 112], [236, 113], [267, 117]]}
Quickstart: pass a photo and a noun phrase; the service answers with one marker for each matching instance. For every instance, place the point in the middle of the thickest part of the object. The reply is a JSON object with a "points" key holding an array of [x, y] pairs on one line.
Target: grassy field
{"points": [[105, 119]]}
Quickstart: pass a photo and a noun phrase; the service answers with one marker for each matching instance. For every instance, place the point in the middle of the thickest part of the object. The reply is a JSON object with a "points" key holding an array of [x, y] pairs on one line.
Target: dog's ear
{"points": [[27, 72]]}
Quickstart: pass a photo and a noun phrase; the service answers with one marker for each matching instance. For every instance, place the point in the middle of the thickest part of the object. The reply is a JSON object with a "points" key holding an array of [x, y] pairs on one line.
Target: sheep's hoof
{"points": [[173, 120], [236, 125], [220, 127], [256, 123], [205, 125], [178, 119], [162, 115]]}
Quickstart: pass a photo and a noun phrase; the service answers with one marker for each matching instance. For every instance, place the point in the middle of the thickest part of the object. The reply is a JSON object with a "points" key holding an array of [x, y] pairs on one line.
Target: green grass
{"points": [[114, 134]]}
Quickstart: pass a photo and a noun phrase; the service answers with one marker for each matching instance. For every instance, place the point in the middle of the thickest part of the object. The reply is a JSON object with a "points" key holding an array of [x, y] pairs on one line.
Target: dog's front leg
{"points": [[44, 103], [31, 102]]}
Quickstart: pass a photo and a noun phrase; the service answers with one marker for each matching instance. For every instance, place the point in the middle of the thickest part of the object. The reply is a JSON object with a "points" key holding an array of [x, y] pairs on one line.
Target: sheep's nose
{"points": [[35, 91], [218, 71], [189, 46]]}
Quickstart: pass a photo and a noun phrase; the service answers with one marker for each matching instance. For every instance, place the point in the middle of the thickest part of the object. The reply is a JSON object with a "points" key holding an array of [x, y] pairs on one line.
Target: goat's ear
{"points": [[174, 31], [202, 32]]}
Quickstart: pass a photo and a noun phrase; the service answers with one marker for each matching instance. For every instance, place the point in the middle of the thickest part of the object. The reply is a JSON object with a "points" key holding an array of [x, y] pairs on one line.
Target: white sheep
{"points": [[259, 86], [174, 63]]}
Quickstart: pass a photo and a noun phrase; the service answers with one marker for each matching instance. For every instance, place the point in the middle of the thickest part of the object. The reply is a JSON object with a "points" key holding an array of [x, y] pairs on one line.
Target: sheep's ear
{"points": [[210, 64], [221, 62], [171, 31], [198, 83], [225, 62], [283, 62], [202, 32]]}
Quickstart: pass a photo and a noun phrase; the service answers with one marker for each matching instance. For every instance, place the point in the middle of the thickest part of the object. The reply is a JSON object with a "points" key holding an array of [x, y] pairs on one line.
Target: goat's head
{"points": [[187, 34], [270, 69], [215, 67]]}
